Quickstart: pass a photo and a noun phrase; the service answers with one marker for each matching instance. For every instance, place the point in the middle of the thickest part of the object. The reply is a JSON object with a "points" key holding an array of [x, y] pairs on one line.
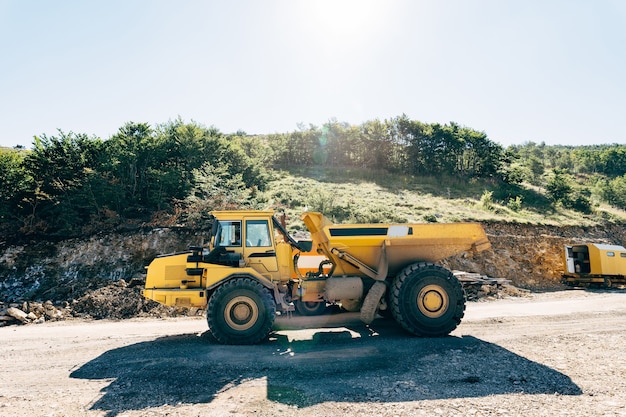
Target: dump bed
{"points": [[399, 244]]}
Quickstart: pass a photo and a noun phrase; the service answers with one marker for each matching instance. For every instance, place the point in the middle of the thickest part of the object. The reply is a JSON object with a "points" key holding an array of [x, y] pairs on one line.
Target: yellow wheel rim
{"points": [[241, 313], [433, 301]]}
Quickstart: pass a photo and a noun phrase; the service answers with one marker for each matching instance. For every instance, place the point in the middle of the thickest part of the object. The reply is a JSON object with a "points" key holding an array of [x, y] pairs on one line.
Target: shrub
{"points": [[515, 204], [486, 200]]}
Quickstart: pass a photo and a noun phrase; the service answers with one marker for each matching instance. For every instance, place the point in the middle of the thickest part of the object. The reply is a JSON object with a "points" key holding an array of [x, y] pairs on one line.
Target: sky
{"points": [[550, 71]]}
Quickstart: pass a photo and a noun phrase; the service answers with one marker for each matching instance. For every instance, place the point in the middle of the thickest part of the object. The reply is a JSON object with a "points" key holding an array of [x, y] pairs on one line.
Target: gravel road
{"points": [[550, 354]]}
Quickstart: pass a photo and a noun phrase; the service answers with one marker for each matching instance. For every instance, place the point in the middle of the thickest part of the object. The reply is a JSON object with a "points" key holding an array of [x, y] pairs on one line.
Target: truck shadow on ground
{"points": [[379, 363]]}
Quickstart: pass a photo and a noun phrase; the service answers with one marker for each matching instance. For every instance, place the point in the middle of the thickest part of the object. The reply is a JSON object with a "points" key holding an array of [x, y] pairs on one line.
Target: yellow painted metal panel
{"points": [[404, 243], [177, 297], [167, 272], [607, 259], [284, 258]]}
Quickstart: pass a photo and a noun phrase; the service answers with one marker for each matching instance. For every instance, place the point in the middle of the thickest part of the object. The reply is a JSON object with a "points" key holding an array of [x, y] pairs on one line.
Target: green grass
{"points": [[364, 196]]}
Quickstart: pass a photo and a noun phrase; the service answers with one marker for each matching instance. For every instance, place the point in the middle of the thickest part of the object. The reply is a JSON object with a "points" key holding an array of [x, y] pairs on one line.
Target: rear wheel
{"points": [[241, 312], [427, 300], [310, 308]]}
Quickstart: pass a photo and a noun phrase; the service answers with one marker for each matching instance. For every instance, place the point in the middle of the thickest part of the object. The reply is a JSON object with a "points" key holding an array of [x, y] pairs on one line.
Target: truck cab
{"points": [[250, 234]]}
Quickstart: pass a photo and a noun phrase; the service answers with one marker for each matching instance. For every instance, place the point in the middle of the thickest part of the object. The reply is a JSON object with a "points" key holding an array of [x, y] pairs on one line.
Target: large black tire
{"points": [[241, 312], [427, 300], [310, 308]]}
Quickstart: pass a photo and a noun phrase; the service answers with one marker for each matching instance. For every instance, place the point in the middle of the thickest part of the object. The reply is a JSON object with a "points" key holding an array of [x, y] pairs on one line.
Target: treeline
{"points": [[573, 175], [73, 184], [609, 160], [396, 145]]}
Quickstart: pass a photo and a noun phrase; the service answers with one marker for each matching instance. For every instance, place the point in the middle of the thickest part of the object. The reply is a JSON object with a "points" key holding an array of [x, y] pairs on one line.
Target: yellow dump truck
{"points": [[594, 264], [250, 271]]}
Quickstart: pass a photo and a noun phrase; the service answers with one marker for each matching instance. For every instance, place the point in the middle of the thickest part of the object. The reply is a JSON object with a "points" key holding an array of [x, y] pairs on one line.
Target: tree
{"points": [[614, 191], [132, 156], [613, 161], [559, 186], [481, 157], [14, 186], [420, 152], [536, 168], [215, 188], [61, 169]]}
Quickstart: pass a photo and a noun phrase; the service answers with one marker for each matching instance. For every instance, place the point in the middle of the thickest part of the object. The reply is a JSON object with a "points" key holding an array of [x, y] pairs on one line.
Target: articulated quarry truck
{"points": [[249, 273]]}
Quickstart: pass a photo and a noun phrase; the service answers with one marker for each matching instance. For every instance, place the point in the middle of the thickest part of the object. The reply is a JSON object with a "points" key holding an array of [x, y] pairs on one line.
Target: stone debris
{"points": [[118, 300], [33, 312], [18, 314], [481, 287]]}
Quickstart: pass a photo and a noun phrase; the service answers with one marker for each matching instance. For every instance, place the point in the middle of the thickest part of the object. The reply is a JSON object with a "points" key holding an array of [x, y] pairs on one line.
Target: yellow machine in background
{"points": [[594, 263], [250, 271]]}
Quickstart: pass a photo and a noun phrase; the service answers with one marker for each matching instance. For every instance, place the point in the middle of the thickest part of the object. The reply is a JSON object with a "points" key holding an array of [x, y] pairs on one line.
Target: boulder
{"points": [[18, 314]]}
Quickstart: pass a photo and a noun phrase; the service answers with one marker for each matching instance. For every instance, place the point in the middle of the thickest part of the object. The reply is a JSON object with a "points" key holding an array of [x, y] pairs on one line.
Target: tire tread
{"points": [[458, 296]]}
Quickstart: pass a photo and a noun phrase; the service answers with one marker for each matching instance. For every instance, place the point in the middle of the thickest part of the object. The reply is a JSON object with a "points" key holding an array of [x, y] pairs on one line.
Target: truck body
{"points": [[595, 264], [250, 271]]}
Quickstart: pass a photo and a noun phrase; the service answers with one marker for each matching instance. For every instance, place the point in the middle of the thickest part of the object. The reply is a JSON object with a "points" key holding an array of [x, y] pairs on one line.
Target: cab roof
{"points": [[239, 214]]}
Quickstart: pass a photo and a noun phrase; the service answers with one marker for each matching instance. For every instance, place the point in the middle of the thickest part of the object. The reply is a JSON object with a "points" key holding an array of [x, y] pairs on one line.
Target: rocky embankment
{"points": [[100, 277], [532, 256], [97, 277]]}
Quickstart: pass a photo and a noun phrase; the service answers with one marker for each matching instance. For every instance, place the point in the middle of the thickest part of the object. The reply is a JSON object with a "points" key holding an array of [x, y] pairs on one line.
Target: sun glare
{"points": [[345, 19]]}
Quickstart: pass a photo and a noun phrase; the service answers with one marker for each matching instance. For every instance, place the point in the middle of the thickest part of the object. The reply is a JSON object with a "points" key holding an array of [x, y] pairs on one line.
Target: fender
{"points": [[242, 273], [279, 297]]}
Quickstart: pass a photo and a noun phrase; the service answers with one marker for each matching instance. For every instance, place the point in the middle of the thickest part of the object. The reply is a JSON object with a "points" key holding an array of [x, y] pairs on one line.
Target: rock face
{"points": [[68, 269], [87, 277]]}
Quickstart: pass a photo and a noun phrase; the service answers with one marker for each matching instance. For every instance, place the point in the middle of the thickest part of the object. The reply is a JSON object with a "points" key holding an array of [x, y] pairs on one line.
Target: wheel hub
{"points": [[241, 313], [432, 301]]}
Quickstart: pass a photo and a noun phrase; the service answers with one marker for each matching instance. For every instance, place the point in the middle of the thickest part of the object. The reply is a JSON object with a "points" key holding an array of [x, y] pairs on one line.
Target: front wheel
{"points": [[427, 300], [241, 312]]}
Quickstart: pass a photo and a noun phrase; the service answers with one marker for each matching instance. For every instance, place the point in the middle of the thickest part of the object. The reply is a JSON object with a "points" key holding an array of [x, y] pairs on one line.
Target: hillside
{"points": [[363, 196]]}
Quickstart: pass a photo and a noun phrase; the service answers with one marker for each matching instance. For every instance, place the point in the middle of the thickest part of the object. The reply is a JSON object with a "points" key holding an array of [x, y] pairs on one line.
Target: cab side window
{"points": [[257, 233], [228, 234]]}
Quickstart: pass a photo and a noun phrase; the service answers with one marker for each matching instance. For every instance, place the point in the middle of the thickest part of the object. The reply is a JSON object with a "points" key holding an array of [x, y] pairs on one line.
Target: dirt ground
{"points": [[550, 354]]}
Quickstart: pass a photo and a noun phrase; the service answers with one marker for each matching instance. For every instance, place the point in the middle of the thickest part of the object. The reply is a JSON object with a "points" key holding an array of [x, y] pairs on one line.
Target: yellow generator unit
{"points": [[595, 264], [251, 270]]}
